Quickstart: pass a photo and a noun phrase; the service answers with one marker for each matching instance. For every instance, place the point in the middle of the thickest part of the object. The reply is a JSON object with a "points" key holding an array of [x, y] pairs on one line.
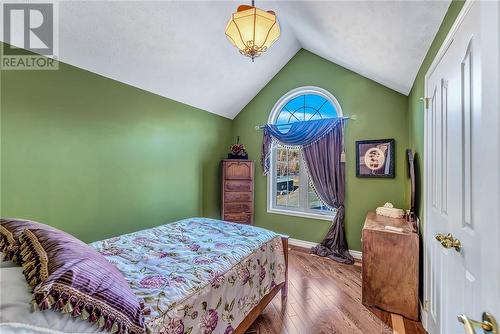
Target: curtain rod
{"points": [[259, 127]]}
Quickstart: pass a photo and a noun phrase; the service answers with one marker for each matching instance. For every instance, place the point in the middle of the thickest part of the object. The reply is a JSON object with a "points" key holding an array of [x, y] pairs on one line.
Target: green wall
{"points": [[416, 106], [97, 158], [382, 113]]}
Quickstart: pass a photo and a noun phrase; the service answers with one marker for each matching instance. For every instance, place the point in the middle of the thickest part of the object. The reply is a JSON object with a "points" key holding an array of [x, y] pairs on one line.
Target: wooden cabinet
{"points": [[390, 265], [237, 191]]}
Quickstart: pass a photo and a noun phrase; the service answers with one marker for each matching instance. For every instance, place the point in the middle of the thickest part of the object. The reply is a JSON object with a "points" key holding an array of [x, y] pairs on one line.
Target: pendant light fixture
{"points": [[252, 30]]}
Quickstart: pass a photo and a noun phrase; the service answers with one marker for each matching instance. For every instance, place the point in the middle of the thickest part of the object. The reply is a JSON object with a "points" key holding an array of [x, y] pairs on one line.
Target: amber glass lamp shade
{"points": [[252, 30]]}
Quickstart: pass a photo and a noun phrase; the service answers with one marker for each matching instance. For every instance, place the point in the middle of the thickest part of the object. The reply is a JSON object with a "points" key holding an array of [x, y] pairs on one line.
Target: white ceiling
{"points": [[178, 49]]}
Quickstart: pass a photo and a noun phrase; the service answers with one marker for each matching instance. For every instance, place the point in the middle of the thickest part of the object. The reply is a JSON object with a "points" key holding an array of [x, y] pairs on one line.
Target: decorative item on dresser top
{"points": [[389, 210], [237, 151], [237, 191], [390, 265]]}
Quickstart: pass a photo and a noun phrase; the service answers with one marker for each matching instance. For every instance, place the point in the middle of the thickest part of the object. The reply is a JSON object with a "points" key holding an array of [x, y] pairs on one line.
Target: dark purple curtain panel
{"points": [[327, 172], [322, 145], [266, 151]]}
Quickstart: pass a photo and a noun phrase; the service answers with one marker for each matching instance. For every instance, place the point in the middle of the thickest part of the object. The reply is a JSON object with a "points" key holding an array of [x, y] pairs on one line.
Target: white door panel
{"points": [[458, 180]]}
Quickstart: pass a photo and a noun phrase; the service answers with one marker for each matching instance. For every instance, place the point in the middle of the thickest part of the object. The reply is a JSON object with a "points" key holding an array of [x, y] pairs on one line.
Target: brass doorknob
{"points": [[440, 237], [489, 324], [455, 243], [448, 241]]}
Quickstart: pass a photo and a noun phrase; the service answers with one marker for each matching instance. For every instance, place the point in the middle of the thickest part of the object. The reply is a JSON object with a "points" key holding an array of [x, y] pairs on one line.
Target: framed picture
{"points": [[375, 158]]}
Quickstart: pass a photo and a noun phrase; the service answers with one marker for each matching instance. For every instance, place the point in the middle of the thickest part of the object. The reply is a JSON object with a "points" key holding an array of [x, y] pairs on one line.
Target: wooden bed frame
{"points": [[257, 310]]}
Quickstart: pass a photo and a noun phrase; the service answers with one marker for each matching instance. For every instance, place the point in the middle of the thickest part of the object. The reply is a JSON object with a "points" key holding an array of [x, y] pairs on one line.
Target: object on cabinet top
{"points": [[389, 210]]}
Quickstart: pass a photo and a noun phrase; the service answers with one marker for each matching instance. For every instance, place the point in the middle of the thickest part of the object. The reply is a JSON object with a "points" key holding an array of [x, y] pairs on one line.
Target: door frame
{"points": [[429, 238]]}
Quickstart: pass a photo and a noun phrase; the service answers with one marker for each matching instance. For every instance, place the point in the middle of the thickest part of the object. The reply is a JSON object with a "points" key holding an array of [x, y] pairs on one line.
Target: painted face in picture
{"points": [[375, 157]]}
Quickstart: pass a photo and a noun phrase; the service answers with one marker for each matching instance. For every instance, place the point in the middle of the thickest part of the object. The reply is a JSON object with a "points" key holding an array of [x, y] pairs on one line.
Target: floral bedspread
{"points": [[198, 275]]}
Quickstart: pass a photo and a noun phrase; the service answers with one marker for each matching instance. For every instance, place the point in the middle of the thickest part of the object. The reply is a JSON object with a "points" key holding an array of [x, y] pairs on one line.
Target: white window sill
{"points": [[301, 214]]}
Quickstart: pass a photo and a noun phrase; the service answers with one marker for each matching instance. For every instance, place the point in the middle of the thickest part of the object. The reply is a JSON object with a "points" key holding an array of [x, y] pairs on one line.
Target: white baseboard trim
{"points": [[423, 315], [356, 254], [302, 243], [308, 244]]}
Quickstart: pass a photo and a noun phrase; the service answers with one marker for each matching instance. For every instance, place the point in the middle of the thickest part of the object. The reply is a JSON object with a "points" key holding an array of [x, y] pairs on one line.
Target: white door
{"points": [[462, 167]]}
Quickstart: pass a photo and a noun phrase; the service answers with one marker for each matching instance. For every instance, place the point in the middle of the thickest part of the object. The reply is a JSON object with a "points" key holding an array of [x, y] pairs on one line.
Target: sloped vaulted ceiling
{"points": [[178, 49]]}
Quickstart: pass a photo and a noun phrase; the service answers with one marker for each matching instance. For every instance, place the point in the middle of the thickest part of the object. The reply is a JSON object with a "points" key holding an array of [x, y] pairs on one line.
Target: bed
{"points": [[200, 275]]}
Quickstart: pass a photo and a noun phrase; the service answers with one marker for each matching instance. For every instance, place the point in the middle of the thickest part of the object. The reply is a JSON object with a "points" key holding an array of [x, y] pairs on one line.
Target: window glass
{"points": [[288, 177], [306, 107], [291, 187]]}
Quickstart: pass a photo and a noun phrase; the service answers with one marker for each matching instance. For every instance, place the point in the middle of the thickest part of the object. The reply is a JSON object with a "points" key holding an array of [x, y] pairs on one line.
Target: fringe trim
{"points": [[34, 259], [8, 245], [62, 298], [7, 234], [304, 163]]}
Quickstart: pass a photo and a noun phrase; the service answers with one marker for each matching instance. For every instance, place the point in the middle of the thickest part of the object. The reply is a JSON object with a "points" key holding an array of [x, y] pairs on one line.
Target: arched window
{"points": [[289, 188]]}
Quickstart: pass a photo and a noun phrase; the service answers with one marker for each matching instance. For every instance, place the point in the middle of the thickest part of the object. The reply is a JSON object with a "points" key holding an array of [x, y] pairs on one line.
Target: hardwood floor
{"points": [[325, 297]]}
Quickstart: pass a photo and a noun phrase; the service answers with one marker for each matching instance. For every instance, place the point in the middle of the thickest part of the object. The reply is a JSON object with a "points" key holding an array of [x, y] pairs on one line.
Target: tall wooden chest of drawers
{"points": [[237, 191], [390, 265]]}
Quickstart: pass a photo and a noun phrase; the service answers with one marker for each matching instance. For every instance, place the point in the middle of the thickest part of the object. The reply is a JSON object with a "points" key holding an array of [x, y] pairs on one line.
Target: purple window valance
{"points": [[299, 134]]}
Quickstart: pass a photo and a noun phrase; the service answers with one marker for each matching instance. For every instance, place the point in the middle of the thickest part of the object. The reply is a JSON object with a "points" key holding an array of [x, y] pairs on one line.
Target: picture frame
{"points": [[375, 158]]}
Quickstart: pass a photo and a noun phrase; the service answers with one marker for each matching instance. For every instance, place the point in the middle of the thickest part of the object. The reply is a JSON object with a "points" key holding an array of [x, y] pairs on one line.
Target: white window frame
{"points": [[271, 186]]}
